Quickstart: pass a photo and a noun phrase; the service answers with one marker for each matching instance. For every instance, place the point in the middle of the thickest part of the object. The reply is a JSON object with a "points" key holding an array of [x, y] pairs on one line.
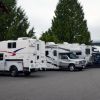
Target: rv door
{"points": [[1, 61], [37, 56]]}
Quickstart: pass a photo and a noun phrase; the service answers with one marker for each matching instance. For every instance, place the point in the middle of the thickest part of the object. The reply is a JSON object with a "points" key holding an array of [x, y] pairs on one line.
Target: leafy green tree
{"points": [[69, 24], [13, 24], [49, 37], [31, 33]]}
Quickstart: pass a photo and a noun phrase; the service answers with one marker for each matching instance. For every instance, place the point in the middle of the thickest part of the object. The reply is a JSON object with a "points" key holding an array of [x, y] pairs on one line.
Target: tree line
{"points": [[68, 24]]}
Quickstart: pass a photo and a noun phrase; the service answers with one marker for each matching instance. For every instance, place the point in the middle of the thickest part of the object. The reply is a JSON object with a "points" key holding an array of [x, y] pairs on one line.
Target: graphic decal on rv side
{"points": [[14, 52], [18, 49]]}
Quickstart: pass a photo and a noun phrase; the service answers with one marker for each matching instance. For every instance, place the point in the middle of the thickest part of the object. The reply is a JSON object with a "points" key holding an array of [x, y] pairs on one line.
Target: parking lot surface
{"points": [[52, 85]]}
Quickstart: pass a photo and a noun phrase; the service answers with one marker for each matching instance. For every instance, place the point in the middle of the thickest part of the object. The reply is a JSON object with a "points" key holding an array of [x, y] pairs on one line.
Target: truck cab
{"points": [[71, 61]]}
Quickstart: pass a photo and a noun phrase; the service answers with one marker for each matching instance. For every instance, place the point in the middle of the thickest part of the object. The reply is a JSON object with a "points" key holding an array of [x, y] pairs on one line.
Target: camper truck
{"points": [[81, 50], [22, 55], [58, 57]]}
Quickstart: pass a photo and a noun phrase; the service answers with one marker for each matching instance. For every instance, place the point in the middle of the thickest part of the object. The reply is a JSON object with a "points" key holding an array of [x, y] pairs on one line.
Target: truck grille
{"points": [[82, 62]]}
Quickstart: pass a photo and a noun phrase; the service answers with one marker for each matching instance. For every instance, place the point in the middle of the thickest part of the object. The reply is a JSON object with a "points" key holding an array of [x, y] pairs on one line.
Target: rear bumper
{"points": [[27, 69]]}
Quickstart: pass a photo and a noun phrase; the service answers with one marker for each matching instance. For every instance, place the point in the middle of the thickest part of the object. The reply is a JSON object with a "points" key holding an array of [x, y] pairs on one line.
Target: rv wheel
{"points": [[13, 71], [72, 67], [27, 73]]}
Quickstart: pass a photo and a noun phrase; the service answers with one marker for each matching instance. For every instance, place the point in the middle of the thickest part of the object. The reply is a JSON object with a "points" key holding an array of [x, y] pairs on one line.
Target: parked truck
{"points": [[22, 55]]}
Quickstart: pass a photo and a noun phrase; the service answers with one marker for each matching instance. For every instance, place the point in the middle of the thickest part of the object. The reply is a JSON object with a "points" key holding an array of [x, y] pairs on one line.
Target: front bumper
{"points": [[80, 66]]}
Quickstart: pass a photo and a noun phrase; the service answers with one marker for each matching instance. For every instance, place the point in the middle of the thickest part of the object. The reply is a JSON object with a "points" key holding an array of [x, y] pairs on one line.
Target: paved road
{"points": [[52, 85]]}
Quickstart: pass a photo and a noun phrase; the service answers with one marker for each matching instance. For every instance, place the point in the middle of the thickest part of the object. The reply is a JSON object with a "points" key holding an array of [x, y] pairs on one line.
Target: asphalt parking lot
{"points": [[52, 85]]}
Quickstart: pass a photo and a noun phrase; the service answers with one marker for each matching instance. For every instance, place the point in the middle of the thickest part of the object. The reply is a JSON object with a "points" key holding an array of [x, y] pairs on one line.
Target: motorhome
{"points": [[22, 55], [58, 57], [81, 50]]}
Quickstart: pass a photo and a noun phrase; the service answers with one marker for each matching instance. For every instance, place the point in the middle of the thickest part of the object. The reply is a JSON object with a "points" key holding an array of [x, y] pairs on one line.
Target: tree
{"points": [[13, 24], [49, 37], [31, 33], [69, 24], [3, 8]]}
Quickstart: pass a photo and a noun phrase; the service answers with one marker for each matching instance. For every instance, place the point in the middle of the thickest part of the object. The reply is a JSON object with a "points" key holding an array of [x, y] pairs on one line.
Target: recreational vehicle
{"points": [[58, 57], [22, 55], [81, 50]]}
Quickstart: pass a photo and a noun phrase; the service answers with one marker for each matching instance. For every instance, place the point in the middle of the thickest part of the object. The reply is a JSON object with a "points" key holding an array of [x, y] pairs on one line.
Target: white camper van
{"points": [[59, 57], [22, 55]]}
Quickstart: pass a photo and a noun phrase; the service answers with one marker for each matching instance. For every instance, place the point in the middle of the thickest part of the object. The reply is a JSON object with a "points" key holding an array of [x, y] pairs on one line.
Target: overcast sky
{"points": [[41, 12]]}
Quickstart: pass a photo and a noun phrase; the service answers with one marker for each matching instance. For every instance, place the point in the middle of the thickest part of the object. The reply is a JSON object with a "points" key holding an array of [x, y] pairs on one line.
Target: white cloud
{"points": [[41, 12]]}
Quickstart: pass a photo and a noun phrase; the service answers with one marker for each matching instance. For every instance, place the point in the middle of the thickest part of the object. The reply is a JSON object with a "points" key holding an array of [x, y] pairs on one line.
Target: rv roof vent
{"points": [[50, 43], [83, 44], [66, 43], [75, 44], [23, 38]]}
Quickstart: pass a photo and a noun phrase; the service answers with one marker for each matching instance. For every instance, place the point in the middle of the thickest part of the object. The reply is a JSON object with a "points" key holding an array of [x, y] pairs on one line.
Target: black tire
{"points": [[72, 67], [13, 71], [27, 73]]}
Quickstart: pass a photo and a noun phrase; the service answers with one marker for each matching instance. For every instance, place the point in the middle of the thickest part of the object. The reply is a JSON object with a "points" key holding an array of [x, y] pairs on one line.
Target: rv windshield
{"points": [[66, 55], [72, 56]]}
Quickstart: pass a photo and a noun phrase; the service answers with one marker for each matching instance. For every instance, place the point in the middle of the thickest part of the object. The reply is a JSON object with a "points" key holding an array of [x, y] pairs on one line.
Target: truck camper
{"points": [[22, 55]]}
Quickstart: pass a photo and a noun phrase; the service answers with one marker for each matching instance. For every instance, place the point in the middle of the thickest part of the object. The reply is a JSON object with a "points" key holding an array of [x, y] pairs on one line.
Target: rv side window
{"points": [[37, 46], [78, 53], [37, 57], [55, 53], [87, 51], [12, 45], [1, 56], [63, 57], [9, 45], [46, 53]]}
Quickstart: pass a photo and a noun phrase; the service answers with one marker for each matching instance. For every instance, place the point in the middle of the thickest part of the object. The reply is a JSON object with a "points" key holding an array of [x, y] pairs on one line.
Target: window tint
{"points": [[1, 56], [63, 57], [12, 45], [9, 45], [55, 53], [37, 57], [78, 53], [87, 51], [37, 46], [66, 55], [46, 53]]}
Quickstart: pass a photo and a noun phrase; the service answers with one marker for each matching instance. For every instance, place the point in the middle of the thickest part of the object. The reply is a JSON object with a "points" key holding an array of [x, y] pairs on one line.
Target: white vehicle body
{"points": [[25, 54], [81, 50], [96, 49], [56, 57]]}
